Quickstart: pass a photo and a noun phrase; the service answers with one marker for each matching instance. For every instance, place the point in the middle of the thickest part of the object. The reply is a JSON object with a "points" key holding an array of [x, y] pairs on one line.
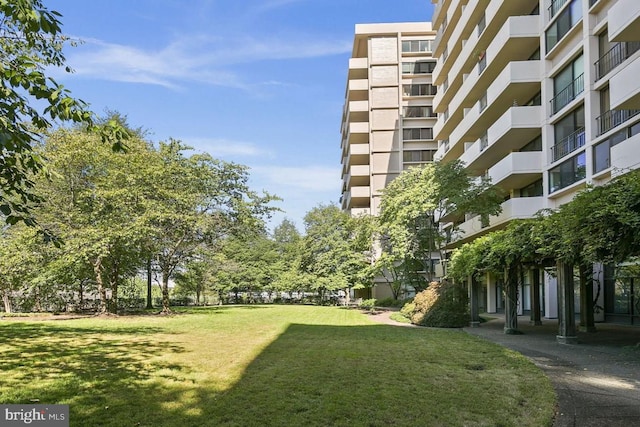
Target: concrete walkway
{"points": [[597, 380]]}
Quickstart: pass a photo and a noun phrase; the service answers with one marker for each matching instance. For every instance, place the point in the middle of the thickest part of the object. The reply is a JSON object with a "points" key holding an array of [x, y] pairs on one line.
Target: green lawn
{"points": [[267, 366]]}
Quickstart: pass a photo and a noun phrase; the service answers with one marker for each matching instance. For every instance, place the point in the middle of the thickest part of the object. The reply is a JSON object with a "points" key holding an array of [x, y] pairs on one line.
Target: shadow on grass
{"points": [[311, 375]]}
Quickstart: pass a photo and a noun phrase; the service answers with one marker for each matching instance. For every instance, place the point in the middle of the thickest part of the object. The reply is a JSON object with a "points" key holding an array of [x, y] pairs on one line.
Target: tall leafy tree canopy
{"points": [[31, 41]]}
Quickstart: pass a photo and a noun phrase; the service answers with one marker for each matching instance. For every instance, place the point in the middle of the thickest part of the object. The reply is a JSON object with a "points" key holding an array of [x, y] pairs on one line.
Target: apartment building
{"points": [[542, 96], [388, 119]]}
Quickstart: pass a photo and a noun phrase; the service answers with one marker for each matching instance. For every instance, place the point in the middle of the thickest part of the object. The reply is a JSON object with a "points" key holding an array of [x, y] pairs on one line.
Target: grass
{"points": [[267, 366]]}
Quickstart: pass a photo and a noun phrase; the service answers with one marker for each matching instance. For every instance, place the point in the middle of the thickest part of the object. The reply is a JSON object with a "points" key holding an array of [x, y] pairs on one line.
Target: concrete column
{"points": [[566, 311], [474, 295], [492, 294], [587, 323], [535, 297]]}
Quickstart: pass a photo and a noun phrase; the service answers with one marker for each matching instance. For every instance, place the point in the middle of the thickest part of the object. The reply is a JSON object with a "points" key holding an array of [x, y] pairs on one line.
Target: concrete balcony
{"points": [[624, 156], [356, 197], [358, 68], [357, 90], [625, 87], [514, 42], [358, 176], [518, 81], [624, 21], [517, 170], [357, 111], [517, 208], [515, 126], [356, 212]]}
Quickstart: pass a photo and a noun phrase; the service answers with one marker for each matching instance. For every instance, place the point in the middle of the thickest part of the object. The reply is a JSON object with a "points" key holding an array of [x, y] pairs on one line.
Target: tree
{"points": [[96, 205], [30, 42], [336, 249], [415, 204], [198, 201]]}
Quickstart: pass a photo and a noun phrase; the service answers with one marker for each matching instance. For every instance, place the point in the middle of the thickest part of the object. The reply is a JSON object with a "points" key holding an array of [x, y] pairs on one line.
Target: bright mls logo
{"points": [[34, 415]]}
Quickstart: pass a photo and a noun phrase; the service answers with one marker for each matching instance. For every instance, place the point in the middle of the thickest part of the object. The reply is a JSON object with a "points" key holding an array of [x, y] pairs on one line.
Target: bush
{"points": [[368, 304], [390, 302], [442, 305]]}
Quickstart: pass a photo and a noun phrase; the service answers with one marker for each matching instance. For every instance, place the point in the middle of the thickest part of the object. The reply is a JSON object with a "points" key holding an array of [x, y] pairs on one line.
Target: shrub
{"points": [[368, 304], [442, 305], [390, 302]]}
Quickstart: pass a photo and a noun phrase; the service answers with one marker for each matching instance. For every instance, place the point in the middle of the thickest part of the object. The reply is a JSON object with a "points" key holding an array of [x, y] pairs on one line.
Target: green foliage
{"points": [[392, 302], [336, 249], [368, 304], [413, 205], [442, 305], [31, 42]]}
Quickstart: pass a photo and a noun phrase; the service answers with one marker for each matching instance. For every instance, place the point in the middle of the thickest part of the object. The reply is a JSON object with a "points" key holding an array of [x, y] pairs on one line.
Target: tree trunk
{"points": [[113, 284], [587, 323], [511, 302], [166, 309], [7, 302], [97, 271], [149, 287]]}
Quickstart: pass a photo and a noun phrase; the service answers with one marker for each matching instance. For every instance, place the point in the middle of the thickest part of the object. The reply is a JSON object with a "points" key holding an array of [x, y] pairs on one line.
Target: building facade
{"points": [[542, 96], [388, 118]]}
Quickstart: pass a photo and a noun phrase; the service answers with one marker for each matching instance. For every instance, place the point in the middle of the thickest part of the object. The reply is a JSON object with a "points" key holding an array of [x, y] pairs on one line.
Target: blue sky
{"points": [[257, 82]]}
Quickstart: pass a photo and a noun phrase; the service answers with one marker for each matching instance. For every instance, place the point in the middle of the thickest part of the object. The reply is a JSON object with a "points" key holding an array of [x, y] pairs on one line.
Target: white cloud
{"points": [[204, 59]]}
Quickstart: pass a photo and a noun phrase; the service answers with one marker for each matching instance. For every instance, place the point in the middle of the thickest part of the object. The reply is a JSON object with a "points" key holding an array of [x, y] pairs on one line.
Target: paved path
{"points": [[597, 380]]}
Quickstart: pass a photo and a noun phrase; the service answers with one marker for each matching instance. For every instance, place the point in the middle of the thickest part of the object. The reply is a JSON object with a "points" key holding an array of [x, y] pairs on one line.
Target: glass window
{"points": [[532, 190], [418, 156], [418, 111], [601, 156], [412, 134], [419, 90], [567, 173], [569, 17], [419, 67], [533, 145], [413, 46]]}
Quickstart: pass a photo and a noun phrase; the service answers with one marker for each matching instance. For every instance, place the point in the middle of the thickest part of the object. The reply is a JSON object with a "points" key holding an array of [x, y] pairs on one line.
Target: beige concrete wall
{"points": [[384, 75], [384, 97], [387, 140], [386, 119], [384, 50]]}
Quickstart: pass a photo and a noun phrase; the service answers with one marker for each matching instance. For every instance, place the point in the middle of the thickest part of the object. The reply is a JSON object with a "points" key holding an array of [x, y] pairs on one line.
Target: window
{"points": [[412, 134], [482, 24], [568, 84], [532, 190], [418, 111], [418, 156], [415, 46], [419, 67], [536, 100], [601, 156], [533, 145], [563, 23], [423, 89], [567, 173], [569, 133], [482, 102]]}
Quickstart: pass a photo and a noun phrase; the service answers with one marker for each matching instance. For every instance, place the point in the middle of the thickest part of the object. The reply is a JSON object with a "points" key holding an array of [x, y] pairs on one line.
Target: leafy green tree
{"points": [[198, 201], [31, 42], [336, 249], [414, 205]]}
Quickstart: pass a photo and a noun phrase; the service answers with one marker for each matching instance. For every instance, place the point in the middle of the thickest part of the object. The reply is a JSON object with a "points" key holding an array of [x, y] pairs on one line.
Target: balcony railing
{"points": [[555, 6], [568, 145], [613, 118], [567, 94], [614, 57]]}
